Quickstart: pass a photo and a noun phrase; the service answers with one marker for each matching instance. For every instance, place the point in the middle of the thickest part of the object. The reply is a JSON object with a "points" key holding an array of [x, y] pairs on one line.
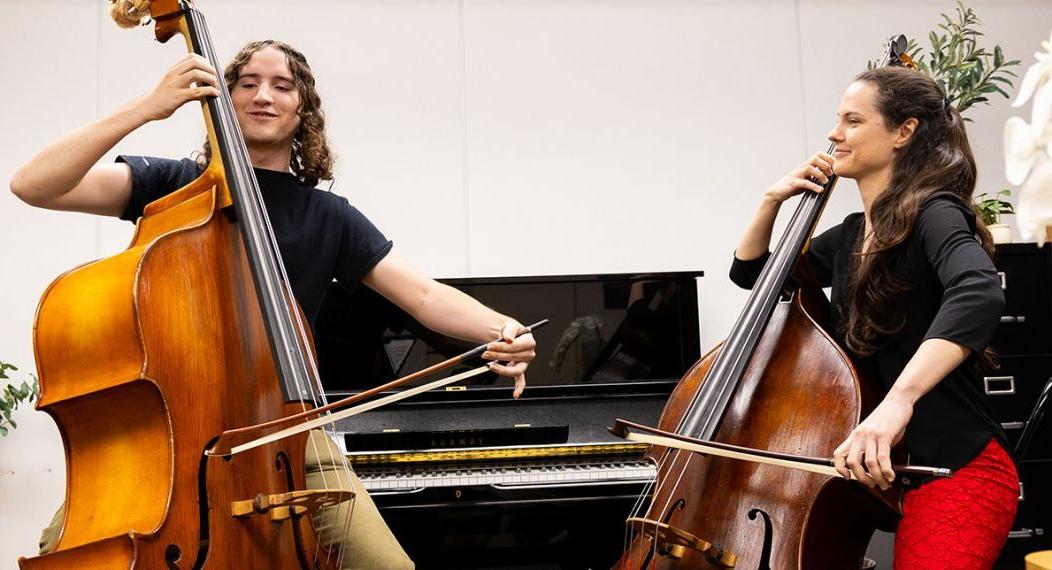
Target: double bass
{"points": [[744, 479], [145, 357]]}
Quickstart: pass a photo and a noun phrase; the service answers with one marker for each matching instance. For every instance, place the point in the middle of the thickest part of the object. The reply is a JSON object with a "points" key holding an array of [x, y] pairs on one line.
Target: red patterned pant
{"points": [[960, 523]]}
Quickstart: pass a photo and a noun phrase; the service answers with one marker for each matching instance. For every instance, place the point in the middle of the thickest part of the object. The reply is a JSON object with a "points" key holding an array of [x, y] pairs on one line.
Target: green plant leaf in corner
{"points": [[966, 71], [12, 396]]}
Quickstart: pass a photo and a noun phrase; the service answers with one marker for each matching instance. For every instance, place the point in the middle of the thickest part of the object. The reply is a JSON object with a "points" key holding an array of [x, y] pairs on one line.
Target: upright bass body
{"points": [[779, 384], [144, 357], [799, 395]]}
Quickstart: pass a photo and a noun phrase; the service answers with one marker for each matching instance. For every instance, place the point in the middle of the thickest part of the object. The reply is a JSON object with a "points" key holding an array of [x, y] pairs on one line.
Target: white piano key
{"points": [[509, 475]]}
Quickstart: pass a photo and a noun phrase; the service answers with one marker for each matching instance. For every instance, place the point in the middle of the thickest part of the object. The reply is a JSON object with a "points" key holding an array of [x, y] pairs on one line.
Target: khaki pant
{"points": [[366, 541]]}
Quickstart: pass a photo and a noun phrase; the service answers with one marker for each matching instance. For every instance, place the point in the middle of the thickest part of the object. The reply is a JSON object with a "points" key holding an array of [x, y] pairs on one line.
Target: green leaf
{"points": [[968, 72], [3, 431]]}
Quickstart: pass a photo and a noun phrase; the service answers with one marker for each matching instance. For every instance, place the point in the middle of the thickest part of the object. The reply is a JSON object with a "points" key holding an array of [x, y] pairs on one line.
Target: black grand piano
{"points": [[469, 478]]}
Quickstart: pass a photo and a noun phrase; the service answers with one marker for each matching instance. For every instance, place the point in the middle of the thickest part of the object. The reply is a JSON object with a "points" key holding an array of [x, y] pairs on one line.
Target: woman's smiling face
{"points": [[864, 144]]}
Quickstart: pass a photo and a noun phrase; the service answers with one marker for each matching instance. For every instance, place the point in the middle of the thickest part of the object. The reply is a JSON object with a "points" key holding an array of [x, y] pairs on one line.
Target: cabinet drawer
{"points": [[1020, 543], [1012, 391], [1026, 324], [1035, 510], [1032, 529]]}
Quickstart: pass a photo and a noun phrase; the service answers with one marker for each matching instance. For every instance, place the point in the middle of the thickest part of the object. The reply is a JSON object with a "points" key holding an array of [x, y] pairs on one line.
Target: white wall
{"points": [[501, 137]]}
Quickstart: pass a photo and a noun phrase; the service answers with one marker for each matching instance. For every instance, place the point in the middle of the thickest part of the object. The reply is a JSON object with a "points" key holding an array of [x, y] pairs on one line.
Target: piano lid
{"points": [[609, 334]]}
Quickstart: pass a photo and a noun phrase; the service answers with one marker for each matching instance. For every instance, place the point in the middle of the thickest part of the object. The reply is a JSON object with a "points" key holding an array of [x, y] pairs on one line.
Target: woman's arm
{"points": [[870, 444], [968, 315], [751, 254], [757, 237]]}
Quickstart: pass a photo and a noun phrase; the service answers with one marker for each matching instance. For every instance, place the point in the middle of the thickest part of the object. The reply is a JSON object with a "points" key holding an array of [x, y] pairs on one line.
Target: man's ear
{"points": [[905, 132]]}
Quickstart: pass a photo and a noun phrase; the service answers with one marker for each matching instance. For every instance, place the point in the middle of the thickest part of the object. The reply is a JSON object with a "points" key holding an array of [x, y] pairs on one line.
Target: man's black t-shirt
{"points": [[953, 293], [320, 235]]}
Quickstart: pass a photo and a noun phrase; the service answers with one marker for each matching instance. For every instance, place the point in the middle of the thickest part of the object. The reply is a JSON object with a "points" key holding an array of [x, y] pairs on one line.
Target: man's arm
{"points": [[448, 311], [65, 174]]}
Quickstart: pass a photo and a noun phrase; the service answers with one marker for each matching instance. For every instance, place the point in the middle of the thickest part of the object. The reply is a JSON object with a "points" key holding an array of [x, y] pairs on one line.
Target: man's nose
{"points": [[263, 94]]}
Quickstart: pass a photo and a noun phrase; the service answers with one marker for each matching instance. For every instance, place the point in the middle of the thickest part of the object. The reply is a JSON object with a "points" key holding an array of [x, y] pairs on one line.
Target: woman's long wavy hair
{"points": [[312, 159], [937, 160]]}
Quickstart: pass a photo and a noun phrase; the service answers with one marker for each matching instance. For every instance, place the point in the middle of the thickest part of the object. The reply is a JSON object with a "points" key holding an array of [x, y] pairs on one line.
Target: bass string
{"points": [[717, 381], [786, 252], [308, 380], [669, 458], [746, 331]]}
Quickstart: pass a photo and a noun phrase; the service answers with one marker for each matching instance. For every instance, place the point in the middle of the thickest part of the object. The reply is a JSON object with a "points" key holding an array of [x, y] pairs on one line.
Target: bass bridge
{"points": [[673, 542]]}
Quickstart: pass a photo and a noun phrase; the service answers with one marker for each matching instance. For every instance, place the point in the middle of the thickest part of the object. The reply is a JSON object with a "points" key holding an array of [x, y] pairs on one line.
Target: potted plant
{"points": [[969, 74], [990, 211], [966, 71], [11, 396]]}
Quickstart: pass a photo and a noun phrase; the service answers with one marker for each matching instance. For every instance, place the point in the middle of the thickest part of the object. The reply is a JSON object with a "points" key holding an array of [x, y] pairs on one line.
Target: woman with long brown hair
{"points": [[915, 300]]}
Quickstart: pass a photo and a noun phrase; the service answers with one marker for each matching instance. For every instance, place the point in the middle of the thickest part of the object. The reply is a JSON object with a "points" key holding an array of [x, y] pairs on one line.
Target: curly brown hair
{"points": [[937, 160], [312, 159]]}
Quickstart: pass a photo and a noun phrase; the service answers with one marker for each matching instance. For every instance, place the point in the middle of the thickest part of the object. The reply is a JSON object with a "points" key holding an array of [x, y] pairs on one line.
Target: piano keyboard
{"points": [[507, 475]]}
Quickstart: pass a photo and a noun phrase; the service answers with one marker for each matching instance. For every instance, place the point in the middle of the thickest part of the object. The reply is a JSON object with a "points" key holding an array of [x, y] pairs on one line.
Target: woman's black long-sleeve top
{"points": [[953, 292]]}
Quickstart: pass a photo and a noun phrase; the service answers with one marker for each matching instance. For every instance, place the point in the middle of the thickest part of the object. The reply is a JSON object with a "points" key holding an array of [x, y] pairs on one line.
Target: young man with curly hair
{"points": [[321, 236]]}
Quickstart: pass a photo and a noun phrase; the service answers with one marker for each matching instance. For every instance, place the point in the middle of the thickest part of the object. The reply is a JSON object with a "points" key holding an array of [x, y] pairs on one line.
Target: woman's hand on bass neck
{"points": [[757, 236], [819, 167]]}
